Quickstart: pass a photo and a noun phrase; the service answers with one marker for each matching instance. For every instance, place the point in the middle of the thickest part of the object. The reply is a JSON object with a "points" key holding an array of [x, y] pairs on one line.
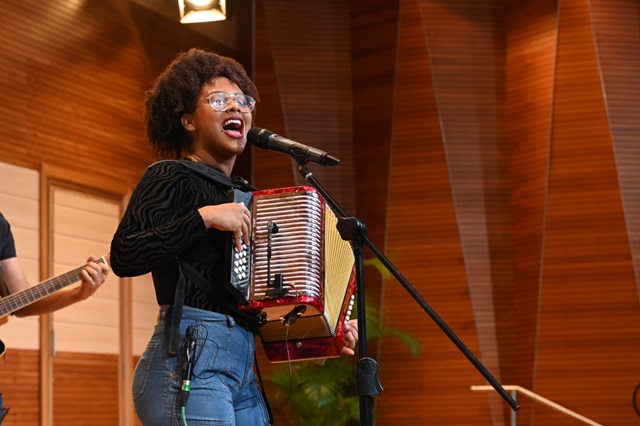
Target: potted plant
{"points": [[310, 394]]}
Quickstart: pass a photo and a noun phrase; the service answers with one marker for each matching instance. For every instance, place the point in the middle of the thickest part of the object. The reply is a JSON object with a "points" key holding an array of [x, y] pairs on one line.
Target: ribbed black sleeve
{"points": [[162, 223], [7, 244]]}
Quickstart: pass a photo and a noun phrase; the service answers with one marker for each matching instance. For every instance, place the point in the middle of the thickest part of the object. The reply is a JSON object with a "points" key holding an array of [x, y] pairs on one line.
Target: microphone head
{"points": [[330, 160], [259, 137], [266, 139], [272, 227]]}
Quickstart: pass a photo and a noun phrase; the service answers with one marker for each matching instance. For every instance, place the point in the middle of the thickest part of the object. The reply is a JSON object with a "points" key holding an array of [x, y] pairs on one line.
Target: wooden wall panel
{"points": [[531, 55], [467, 49], [73, 82], [271, 169], [71, 98], [540, 208], [617, 35], [20, 390], [85, 389], [374, 34], [309, 44], [589, 307], [423, 228]]}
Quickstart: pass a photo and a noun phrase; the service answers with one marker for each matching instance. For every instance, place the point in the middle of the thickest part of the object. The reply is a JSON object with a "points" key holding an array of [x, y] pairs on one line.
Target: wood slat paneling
{"points": [[85, 389], [466, 45], [588, 293], [374, 34], [423, 229], [312, 75], [271, 169], [20, 389], [531, 55], [617, 35]]}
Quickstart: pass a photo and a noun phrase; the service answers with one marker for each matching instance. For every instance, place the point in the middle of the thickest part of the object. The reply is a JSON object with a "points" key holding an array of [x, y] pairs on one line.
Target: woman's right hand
{"points": [[229, 217]]}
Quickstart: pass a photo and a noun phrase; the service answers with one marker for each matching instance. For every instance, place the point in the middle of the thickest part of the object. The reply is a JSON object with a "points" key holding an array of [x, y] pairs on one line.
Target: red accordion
{"points": [[298, 271]]}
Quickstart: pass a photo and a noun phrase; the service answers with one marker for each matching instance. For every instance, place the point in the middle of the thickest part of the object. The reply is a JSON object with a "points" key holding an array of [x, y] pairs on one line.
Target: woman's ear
{"points": [[187, 122]]}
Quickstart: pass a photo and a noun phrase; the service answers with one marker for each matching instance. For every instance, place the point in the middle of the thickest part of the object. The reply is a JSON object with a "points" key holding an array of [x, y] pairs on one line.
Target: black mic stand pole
{"points": [[352, 229]]}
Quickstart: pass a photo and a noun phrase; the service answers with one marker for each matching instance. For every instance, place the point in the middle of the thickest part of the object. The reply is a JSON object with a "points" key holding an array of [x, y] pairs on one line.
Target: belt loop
{"points": [[231, 322], [164, 312]]}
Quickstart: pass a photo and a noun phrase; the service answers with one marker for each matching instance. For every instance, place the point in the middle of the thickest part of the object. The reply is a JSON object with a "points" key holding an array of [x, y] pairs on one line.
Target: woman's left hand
{"points": [[350, 337]]}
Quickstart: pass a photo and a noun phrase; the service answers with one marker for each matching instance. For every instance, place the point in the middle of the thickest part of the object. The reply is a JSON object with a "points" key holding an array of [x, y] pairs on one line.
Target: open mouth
{"points": [[233, 127]]}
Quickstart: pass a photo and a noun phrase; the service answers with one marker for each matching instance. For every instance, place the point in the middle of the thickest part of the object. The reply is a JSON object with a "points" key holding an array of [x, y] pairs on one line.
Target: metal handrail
{"points": [[534, 396]]}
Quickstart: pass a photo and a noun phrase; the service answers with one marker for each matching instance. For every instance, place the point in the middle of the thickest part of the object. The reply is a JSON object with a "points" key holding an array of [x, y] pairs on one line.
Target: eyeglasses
{"points": [[220, 101]]}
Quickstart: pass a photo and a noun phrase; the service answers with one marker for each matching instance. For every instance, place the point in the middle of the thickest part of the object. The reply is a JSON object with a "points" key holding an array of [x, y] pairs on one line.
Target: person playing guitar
{"points": [[13, 280]]}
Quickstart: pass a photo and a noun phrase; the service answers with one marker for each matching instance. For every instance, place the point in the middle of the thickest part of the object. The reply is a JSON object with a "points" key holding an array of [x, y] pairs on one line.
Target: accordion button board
{"points": [[238, 261]]}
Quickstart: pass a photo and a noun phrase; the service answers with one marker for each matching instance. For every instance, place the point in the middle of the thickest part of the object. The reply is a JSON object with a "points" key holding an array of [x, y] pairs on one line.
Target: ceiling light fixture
{"points": [[192, 11]]}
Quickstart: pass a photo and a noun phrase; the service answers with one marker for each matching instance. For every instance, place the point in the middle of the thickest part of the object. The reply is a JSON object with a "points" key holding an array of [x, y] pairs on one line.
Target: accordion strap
{"points": [[253, 321], [187, 271], [216, 175], [176, 313]]}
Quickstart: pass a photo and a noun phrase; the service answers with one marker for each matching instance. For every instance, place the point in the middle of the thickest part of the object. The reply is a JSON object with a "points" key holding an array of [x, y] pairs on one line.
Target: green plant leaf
{"points": [[319, 395]]}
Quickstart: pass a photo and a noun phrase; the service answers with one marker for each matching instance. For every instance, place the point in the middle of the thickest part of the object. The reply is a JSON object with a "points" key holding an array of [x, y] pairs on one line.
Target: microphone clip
{"points": [[291, 317], [279, 289]]}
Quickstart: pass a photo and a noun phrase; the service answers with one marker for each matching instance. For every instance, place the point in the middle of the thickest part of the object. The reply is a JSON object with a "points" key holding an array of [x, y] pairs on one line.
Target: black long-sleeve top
{"points": [[7, 244], [162, 224]]}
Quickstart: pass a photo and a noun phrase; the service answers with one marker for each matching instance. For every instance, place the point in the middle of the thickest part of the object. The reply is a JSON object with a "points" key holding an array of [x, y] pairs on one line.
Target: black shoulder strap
{"points": [[189, 272], [216, 175], [196, 277]]}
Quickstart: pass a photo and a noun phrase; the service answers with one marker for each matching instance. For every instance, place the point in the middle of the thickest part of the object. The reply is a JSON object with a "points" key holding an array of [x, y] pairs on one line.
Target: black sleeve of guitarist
{"points": [[7, 250]]}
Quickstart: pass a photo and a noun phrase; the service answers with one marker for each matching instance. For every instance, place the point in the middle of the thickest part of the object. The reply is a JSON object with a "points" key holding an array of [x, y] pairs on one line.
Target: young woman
{"points": [[201, 107]]}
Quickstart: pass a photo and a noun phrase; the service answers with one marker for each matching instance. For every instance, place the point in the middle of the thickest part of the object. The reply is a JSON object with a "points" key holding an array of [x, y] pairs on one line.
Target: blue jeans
{"points": [[223, 387]]}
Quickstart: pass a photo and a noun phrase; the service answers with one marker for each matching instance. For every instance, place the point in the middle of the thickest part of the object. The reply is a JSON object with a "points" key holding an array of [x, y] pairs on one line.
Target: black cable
{"points": [[289, 362], [264, 394]]}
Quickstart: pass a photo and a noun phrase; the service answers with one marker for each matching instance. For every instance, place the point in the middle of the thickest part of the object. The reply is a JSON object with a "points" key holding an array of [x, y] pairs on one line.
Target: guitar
{"points": [[19, 300]]}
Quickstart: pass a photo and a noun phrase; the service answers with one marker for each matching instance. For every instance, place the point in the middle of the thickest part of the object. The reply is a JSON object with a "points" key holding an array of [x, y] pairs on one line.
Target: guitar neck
{"points": [[19, 300]]}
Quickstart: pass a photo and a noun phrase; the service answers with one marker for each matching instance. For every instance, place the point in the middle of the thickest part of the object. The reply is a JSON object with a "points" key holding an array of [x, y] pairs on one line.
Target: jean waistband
{"points": [[196, 314]]}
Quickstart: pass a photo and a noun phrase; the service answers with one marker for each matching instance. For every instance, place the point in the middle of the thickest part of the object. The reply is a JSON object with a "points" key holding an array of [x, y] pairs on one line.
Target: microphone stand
{"points": [[367, 383]]}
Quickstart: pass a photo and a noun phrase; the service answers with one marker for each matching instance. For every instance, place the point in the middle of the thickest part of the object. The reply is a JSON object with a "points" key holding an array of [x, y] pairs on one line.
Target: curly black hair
{"points": [[176, 91]]}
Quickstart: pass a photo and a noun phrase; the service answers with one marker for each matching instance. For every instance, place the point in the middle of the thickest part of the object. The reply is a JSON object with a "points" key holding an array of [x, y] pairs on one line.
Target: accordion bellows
{"points": [[294, 236]]}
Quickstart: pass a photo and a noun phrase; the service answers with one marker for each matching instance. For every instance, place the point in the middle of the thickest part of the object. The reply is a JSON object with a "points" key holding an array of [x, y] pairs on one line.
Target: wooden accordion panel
{"points": [[294, 236]]}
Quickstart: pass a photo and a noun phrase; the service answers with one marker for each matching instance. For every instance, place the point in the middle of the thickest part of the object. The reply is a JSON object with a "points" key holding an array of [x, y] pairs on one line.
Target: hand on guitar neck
{"points": [[45, 297]]}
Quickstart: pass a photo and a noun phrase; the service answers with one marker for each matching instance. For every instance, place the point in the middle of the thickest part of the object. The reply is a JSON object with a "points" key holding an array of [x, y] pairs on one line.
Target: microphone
{"points": [[189, 363], [265, 139]]}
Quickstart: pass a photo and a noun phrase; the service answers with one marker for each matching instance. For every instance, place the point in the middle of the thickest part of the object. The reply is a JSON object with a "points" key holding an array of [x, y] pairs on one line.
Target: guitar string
{"points": [[17, 300]]}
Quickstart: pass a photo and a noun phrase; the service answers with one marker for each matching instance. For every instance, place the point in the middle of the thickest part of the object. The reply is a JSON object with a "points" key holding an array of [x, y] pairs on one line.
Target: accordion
{"points": [[297, 272]]}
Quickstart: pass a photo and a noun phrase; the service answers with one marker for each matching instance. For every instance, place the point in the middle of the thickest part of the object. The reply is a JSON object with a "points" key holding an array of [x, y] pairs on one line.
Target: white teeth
{"points": [[233, 121]]}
